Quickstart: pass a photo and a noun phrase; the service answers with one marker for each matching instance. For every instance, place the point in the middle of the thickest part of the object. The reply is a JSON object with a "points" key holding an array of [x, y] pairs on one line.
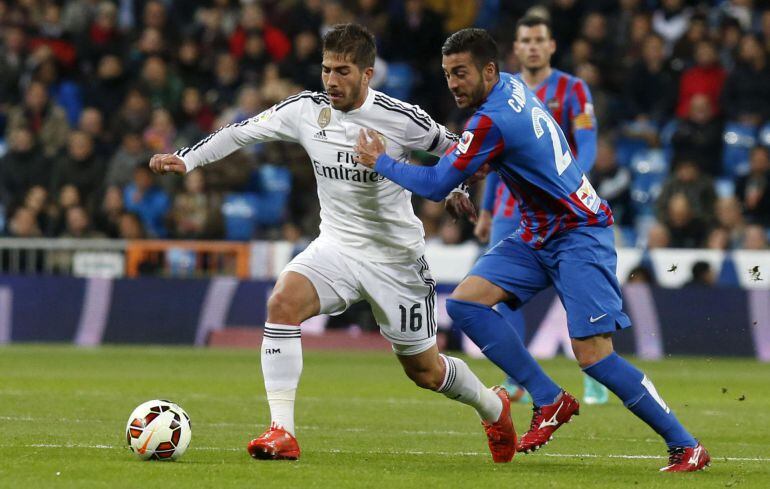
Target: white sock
{"points": [[281, 368], [460, 384]]}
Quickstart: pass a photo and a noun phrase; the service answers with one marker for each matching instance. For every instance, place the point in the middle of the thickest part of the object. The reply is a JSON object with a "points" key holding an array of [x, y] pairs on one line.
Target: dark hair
{"points": [[533, 21], [351, 40], [472, 40]]}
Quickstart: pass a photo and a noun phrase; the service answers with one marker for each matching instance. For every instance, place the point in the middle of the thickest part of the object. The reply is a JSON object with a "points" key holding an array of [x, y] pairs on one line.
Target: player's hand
{"points": [[458, 204], [483, 226], [167, 163], [370, 146]]}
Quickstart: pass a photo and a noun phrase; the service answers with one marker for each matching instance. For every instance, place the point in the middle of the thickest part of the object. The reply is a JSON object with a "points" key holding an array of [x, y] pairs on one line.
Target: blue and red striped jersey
{"points": [[569, 101], [516, 135]]}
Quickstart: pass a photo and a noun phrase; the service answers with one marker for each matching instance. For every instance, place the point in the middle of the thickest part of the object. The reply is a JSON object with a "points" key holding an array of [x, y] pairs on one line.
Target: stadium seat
{"points": [[738, 140], [649, 169], [239, 210], [400, 81], [273, 189]]}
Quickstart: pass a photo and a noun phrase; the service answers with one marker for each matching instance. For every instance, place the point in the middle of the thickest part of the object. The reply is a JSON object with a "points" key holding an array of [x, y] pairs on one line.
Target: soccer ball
{"points": [[158, 430]]}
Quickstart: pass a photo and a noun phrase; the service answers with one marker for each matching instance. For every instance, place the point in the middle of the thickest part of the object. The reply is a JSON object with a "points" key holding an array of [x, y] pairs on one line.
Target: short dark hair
{"points": [[472, 40], [351, 40], [533, 21]]}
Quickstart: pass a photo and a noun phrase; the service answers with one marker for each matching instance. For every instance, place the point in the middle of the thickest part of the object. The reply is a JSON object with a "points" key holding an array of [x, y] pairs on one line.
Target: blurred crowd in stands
{"points": [[90, 89]]}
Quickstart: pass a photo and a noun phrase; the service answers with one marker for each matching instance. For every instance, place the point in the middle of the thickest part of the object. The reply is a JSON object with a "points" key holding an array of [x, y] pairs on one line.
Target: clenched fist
{"points": [[167, 163]]}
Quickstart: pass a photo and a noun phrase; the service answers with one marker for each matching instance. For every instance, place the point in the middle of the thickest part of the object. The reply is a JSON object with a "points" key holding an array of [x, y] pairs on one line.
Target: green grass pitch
{"points": [[361, 423]]}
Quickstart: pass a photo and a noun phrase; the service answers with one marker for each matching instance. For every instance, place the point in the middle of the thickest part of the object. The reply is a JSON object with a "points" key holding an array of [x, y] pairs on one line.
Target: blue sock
{"points": [[515, 318], [500, 343], [640, 397]]}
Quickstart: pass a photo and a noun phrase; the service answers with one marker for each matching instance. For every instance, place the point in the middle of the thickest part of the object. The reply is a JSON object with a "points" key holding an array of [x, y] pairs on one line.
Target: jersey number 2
{"points": [[561, 158]]}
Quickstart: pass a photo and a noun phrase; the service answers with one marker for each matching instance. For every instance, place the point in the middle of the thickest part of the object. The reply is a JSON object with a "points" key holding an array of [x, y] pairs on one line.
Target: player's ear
{"points": [[368, 74]]}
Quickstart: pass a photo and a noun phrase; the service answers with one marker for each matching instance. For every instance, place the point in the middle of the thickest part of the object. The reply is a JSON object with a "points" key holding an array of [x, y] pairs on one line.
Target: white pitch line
{"points": [[398, 452]]}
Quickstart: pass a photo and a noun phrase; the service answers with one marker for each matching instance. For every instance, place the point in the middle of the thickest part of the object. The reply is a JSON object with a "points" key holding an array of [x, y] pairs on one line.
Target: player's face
{"points": [[344, 81], [464, 79], [534, 47]]}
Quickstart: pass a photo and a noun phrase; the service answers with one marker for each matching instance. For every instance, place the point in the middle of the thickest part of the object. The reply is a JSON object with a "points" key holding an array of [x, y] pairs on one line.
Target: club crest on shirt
{"points": [[325, 117], [265, 115], [465, 142], [553, 104]]}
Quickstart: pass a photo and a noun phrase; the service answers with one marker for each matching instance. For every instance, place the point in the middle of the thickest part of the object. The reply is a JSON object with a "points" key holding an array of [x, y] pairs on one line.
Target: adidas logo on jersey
{"points": [[321, 135]]}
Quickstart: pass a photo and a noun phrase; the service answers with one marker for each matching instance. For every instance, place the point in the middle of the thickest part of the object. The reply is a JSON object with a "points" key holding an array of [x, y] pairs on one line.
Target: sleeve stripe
{"points": [[317, 97], [434, 143], [394, 109], [479, 136], [419, 113], [581, 96]]}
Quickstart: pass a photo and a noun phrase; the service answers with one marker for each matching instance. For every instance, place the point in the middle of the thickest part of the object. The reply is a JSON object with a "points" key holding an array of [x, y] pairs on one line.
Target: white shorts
{"points": [[402, 295]]}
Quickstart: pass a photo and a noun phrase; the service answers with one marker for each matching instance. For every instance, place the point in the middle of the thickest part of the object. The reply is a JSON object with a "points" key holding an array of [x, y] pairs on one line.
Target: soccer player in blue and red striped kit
{"points": [[568, 99], [565, 240]]}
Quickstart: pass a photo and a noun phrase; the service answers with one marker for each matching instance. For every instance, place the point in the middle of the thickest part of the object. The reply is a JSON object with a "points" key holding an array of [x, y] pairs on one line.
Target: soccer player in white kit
{"points": [[370, 246]]}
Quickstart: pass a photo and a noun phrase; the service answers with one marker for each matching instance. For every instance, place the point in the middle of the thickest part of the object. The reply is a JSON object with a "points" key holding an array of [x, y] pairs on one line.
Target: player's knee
{"points": [[458, 309], [282, 308]]}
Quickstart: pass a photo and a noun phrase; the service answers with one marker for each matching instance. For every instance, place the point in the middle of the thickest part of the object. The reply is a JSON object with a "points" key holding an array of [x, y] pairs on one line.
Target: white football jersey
{"points": [[361, 211]]}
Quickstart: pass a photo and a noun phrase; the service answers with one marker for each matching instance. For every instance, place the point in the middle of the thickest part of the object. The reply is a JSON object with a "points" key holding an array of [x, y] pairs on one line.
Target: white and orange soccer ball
{"points": [[158, 430]]}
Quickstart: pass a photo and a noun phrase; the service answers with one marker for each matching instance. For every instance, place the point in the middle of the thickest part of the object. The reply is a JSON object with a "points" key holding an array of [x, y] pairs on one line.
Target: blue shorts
{"points": [[579, 263], [502, 227]]}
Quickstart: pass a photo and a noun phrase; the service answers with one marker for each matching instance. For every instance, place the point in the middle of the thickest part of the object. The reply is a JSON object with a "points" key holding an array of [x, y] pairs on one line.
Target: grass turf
{"points": [[361, 423]]}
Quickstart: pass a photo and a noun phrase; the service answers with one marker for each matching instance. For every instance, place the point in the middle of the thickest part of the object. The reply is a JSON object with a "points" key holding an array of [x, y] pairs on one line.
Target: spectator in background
{"points": [[107, 217], [147, 200], [107, 89], [46, 120], [196, 117], [698, 137], [718, 239], [702, 275], [688, 181], [729, 217], [132, 152], [685, 48], [685, 229], [254, 60], [91, 122], [79, 166], [594, 31], [302, 66], [155, 16], [36, 200], [746, 95], [78, 224], [22, 167], [670, 20], [613, 182], [707, 78], [23, 224], [764, 23], [277, 44], [755, 238], [650, 87], [225, 82], [430, 214], [191, 65], [103, 36], [134, 113], [164, 88], [753, 190], [13, 55], [130, 226], [195, 213], [160, 136], [371, 14], [658, 236], [729, 39], [55, 219]]}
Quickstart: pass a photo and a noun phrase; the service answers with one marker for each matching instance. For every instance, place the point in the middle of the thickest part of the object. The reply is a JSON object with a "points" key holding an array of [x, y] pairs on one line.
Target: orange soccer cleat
{"points": [[274, 444], [501, 434]]}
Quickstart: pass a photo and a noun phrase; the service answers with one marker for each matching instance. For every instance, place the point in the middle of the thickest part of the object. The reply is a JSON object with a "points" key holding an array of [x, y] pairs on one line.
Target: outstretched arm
{"points": [[584, 128], [479, 145]]}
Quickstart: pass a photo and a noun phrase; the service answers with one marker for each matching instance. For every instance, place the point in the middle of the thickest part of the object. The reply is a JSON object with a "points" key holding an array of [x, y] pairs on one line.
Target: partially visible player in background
{"points": [[371, 243], [568, 99]]}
